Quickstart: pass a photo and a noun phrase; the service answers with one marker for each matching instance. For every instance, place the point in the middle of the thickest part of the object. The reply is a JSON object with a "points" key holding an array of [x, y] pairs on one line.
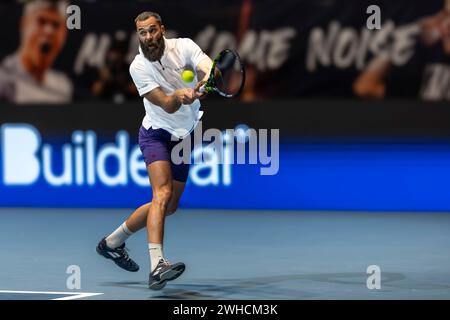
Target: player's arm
{"points": [[203, 71], [203, 64], [149, 88], [171, 103], [204, 68]]}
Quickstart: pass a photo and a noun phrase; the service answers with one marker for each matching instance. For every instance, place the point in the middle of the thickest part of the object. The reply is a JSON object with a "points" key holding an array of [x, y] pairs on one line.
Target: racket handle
{"points": [[201, 89]]}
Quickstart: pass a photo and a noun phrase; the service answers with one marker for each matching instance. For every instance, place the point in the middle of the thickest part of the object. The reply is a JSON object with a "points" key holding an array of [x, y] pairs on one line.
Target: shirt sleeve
{"points": [[143, 78], [193, 52]]}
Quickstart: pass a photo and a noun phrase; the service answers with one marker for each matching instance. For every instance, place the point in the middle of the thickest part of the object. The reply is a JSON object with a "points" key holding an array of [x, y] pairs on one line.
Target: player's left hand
{"points": [[198, 94]]}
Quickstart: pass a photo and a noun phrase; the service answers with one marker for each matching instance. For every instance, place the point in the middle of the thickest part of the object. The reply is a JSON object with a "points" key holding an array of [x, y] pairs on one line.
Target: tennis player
{"points": [[172, 107]]}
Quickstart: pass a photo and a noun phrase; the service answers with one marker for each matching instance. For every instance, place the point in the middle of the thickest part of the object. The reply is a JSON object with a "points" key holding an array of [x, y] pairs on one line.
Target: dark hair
{"points": [[147, 14]]}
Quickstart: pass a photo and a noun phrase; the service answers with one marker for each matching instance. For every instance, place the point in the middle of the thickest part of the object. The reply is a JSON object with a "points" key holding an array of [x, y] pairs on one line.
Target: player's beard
{"points": [[153, 53]]}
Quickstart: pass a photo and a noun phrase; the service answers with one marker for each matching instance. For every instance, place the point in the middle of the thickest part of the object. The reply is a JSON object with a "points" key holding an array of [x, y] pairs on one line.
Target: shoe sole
{"points": [[169, 275], [105, 255]]}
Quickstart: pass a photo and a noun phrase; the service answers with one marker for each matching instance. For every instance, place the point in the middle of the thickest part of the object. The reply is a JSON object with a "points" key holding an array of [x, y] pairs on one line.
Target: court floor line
{"points": [[71, 295]]}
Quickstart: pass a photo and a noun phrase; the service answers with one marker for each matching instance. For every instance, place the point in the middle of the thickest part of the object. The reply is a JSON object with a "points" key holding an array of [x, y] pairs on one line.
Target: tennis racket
{"points": [[227, 75]]}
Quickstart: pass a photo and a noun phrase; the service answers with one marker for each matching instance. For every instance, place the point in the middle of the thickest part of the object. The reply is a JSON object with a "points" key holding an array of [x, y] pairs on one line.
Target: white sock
{"points": [[119, 236], [156, 254]]}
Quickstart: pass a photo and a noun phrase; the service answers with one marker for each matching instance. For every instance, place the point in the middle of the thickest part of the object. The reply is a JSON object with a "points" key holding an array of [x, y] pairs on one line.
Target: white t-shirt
{"points": [[16, 85], [179, 54]]}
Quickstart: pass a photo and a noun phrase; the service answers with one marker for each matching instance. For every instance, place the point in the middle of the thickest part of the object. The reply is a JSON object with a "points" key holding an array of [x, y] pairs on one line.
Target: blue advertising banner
{"points": [[88, 169]]}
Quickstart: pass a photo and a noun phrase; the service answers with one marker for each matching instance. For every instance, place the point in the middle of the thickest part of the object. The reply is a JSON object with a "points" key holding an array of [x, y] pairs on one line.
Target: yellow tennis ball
{"points": [[187, 76]]}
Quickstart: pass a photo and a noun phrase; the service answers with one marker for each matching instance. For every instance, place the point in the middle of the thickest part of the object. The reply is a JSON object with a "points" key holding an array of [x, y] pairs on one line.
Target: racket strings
{"points": [[228, 74]]}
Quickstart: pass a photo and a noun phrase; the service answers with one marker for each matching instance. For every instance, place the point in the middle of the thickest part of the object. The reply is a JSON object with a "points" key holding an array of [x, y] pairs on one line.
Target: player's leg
{"points": [[134, 223], [161, 149], [153, 145], [160, 174], [177, 192], [113, 247], [180, 173], [164, 270], [138, 219]]}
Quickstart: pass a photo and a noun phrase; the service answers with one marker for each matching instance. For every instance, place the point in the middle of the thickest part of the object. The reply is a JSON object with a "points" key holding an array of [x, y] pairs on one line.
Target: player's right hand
{"points": [[185, 96], [200, 95]]}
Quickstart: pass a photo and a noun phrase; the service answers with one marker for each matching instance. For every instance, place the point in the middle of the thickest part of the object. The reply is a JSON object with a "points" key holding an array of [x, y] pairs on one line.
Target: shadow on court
{"points": [[264, 287]]}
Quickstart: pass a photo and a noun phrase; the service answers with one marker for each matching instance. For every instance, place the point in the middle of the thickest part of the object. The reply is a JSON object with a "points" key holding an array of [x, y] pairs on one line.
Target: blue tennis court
{"points": [[231, 255]]}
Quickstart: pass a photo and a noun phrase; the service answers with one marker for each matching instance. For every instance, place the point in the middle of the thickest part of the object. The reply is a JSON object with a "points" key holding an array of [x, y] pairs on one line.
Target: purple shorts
{"points": [[156, 144]]}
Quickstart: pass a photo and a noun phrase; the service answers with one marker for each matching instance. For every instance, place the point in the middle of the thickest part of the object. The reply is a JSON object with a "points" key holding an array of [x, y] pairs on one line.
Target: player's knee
{"points": [[162, 197]]}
